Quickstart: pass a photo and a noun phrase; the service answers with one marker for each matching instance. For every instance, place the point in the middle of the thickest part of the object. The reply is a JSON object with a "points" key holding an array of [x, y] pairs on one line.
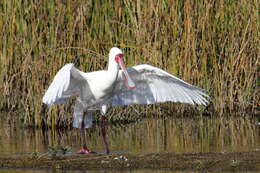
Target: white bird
{"points": [[141, 84]]}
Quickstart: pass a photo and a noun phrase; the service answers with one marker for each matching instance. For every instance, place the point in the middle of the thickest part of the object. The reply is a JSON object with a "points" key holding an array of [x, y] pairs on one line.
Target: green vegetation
{"points": [[211, 44]]}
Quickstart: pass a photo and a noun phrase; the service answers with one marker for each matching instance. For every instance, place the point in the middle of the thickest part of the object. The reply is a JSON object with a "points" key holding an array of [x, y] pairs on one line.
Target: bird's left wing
{"points": [[155, 85], [67, 82]]}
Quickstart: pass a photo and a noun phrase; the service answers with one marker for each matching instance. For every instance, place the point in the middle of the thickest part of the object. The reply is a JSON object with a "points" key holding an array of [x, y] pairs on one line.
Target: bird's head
{"points": [[116, 55]]}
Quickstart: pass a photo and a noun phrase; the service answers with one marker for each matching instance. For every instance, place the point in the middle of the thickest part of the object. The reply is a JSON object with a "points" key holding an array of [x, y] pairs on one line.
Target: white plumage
{"points": [[154, 85], [141, 84]]}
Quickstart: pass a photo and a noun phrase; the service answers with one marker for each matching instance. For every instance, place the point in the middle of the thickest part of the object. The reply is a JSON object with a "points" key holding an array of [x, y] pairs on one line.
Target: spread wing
{"points": [[67, 82], [155, 85]]}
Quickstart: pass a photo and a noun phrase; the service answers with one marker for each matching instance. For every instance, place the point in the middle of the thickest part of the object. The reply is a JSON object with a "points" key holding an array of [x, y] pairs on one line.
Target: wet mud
{"points": [[224, 161]]}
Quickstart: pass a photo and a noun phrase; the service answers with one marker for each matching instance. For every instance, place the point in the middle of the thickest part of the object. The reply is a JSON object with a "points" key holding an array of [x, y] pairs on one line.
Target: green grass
{"points": [[211, 44]]}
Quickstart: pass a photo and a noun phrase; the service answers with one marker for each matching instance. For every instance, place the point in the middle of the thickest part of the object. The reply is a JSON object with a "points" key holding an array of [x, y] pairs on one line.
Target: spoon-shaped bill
{"points": [[129, 82]]}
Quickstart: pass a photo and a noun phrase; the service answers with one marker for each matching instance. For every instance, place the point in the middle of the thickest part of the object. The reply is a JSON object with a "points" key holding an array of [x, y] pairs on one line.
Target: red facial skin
{"points": [[119, 57]]}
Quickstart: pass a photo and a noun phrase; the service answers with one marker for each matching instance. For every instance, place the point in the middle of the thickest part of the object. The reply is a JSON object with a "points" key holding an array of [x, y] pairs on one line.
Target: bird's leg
{"points": [[104, 127], [84, 149]]}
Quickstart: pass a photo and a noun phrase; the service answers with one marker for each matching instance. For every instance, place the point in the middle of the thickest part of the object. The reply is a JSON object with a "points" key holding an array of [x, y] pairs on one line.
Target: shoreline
{"points": [[212, 161]]}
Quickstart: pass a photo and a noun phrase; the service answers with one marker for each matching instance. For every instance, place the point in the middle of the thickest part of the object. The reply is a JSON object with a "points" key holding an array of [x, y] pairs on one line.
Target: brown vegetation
{"points": [[211, 44], [226, 161]]}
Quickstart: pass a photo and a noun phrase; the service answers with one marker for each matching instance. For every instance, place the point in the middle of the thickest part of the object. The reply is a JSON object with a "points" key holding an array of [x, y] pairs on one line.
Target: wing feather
{"points": [[64, 85], [155, 85]]}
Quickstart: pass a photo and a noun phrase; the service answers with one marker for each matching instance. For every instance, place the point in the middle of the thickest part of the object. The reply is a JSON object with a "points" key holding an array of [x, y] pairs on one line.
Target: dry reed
{"points": [[212, 44]]}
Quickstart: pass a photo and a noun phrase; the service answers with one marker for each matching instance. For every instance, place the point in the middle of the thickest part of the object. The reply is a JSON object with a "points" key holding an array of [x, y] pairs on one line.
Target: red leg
{"points": [[104, 132], [84, 149]]}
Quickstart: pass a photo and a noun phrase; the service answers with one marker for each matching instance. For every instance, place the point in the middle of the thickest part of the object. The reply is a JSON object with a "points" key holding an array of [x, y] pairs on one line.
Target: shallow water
{"points": [[179, 135]]}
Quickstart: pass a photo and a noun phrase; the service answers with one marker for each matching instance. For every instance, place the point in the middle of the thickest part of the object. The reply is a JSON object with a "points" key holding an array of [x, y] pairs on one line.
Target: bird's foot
{"points": [[84, 151]]}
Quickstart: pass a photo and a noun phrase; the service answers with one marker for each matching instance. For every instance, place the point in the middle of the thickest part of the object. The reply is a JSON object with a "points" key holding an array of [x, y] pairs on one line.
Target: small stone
{"points": [[104, 161]]}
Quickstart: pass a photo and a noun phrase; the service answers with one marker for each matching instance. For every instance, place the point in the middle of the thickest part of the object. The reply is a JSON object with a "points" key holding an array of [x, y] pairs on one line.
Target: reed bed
{"points": [[211, 44]]}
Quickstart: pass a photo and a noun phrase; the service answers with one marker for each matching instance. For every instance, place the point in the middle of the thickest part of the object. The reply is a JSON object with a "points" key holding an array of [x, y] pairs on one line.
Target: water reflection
{"points": [[150, 135]]}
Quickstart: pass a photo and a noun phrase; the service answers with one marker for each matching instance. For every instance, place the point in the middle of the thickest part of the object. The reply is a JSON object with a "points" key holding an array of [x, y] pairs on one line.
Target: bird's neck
{"points": [[113, 70]]}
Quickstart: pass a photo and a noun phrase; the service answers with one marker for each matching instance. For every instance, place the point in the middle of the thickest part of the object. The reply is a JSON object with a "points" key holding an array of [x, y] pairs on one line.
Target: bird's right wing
{"points": [[67, 82]]}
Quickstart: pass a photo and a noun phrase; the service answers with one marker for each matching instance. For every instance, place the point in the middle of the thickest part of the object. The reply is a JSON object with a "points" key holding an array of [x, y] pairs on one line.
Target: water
{"points": [[179, 135]]}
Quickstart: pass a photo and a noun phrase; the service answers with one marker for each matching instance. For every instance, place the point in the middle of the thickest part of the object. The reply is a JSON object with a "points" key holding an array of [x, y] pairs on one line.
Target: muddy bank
{"points": [[226, 161]]}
